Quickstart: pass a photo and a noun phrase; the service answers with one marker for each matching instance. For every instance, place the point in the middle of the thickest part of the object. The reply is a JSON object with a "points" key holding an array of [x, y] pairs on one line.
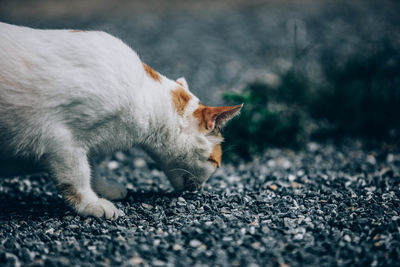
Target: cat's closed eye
{"points": [[213, 162], [216, 156]]}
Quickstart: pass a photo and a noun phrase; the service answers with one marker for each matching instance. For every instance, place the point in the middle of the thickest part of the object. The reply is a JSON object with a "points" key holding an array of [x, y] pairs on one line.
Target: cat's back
{"points": [[26, 42], [53, 55], [38, 63], [38, 40]]}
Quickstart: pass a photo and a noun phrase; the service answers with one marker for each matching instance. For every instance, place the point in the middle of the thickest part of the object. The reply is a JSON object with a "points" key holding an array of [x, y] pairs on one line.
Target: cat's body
{"points": [[66, 95]]}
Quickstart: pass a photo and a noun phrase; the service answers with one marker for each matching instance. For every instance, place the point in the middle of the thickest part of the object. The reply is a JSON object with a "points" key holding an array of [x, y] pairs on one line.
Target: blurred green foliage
{"points": [[359, 96], [258, 126]]}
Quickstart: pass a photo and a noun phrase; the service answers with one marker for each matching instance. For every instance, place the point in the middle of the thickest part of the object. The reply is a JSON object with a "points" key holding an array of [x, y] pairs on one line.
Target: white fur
{"points": [[66, 95]]}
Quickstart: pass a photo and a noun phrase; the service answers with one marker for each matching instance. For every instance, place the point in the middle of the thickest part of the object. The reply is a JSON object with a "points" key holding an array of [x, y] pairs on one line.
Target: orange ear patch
{"points": [[180, 100], [214, 117], [152, 73], [216, 156]]}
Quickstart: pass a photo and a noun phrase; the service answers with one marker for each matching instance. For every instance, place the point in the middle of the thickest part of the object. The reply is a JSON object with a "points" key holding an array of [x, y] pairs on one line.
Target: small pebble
{"points": [[273, 187], [347, 238], [194, 243], [136, 261], [112, 165], [147, 206]]}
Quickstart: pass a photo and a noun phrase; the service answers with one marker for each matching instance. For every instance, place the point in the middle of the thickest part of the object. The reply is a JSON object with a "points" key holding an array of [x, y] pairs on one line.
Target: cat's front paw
{"points": [[102, 208]]}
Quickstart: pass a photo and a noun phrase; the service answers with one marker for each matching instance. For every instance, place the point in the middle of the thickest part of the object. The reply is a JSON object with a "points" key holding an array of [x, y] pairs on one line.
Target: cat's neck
{"points": [[158, 118]]}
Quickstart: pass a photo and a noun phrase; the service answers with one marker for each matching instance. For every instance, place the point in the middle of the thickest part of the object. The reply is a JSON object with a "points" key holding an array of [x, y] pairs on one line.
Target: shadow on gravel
{"points": [[37, 206], [32, 206], [149, 195], [28, 205], [34, 197]]}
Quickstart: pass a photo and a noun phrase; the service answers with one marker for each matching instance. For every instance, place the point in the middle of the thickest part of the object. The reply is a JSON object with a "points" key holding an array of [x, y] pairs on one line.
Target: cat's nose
{"points": [[191, 185]]}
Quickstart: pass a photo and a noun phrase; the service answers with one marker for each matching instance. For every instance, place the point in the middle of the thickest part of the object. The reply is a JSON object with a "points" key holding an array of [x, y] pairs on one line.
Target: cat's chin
{"points": [[190, 185], [184, 184]]}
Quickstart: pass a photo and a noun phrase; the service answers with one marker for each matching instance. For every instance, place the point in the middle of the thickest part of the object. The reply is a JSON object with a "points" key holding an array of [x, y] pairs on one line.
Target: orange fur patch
{"points": [[71, 195], [216, 156], [152, 73], [180, 99], [199, 114], [77, 31], [207, 115]]}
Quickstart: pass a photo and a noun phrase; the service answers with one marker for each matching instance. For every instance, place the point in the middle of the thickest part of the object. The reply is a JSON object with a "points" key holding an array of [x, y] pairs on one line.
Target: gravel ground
{"points": [[329, 205]]}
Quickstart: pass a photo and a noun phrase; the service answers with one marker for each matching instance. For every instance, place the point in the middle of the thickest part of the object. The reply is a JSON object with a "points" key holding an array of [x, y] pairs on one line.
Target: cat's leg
{"points": [[106, 187], [70, 167]]}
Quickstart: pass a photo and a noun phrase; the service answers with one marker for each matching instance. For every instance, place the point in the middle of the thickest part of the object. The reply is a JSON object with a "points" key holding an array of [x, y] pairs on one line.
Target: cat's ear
{"points": [[215, 117], [182, 82]]}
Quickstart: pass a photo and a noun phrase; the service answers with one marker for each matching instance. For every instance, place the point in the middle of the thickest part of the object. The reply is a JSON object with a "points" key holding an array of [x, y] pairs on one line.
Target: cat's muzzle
{"points": [[191, 185]]}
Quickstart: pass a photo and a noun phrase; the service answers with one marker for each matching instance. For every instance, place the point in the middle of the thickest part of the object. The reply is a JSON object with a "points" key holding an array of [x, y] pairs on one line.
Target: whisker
{"points": [[180, 169], [230, 148]]}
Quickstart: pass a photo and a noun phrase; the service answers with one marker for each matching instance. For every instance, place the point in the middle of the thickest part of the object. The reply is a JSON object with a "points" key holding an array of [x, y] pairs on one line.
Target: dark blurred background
{"points": [[304, 69]]}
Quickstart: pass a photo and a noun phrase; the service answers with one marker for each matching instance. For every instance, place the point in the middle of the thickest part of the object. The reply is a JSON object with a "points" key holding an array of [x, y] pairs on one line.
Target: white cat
{"points": [[66, 95]]}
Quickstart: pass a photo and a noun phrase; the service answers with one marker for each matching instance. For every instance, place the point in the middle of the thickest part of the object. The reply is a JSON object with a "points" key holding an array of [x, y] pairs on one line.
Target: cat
{"points": [[67, 95]]}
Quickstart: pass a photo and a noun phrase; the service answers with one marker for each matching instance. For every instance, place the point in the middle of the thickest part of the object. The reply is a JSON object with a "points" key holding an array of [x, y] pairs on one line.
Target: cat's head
{"points": [[198, 140]]}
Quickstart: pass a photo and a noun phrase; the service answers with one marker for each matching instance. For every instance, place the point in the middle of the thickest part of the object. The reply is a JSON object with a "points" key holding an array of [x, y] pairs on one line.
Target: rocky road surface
{"points": [[325, 206]]}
